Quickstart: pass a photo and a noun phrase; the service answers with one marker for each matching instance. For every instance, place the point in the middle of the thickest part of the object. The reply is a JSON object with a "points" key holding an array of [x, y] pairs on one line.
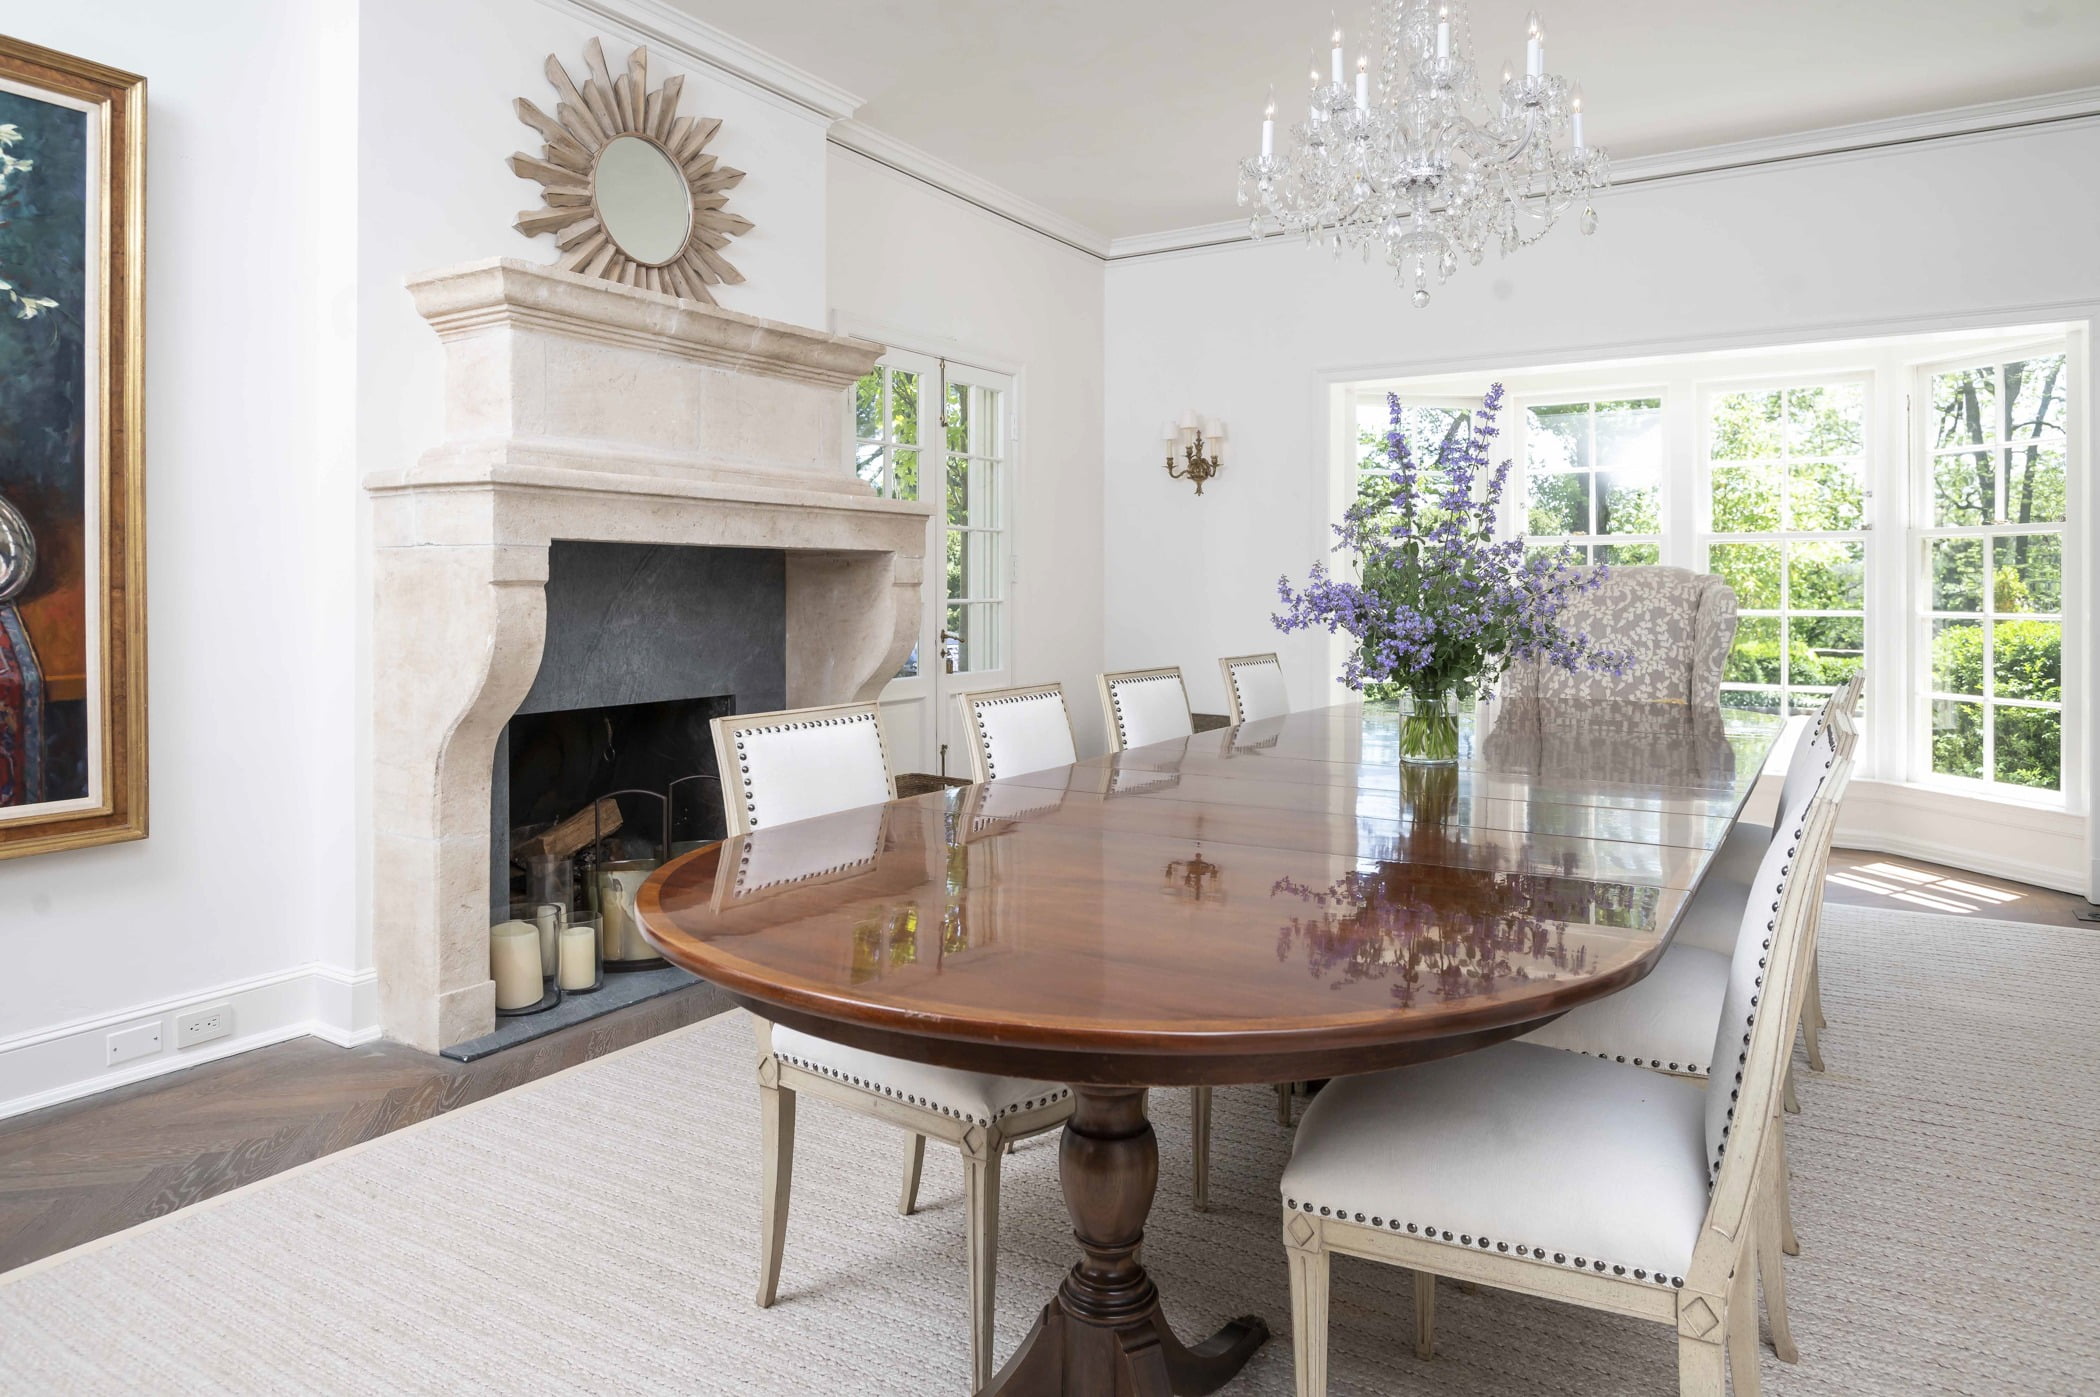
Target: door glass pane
{"points": [[972, 492], [867, 464], [1957, 738], [2027, 576], [867, 405], [904, 407], [970, 641], [2029, 747], [904, 475], [973, 565], [959, 416]]}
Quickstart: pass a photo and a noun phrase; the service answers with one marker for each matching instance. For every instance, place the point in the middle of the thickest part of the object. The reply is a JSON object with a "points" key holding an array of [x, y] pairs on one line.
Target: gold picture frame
{"points": [[73, 766]]}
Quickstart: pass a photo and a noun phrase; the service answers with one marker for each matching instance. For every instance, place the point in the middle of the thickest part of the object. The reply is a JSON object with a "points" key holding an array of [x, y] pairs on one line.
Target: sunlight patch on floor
{"points": [[1919, 888]]}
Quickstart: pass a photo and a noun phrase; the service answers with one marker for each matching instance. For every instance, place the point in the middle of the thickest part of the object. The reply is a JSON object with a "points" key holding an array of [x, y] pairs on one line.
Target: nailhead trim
{"points": [[952, 1112], [744, 764], [1115, 696], [1232, 672], [984, 738], [1431, 1233]]}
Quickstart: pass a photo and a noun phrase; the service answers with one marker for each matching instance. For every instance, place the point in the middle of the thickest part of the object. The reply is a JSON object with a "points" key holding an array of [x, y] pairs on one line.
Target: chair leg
{"points": [[982, 1152], [1199, 1122], [1789, 1241], [1308, 1309], [1771, 1274], [1283, 1102], [1791, 1102], [1815, 987], [1742, 1329], [777, 1174], [914, 1160], [1425, 1315], [1701, 1370], [1812, 1021]]}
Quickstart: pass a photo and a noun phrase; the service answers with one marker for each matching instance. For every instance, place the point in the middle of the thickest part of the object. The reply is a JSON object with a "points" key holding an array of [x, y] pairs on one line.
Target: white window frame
{"points": [[1918, 498], [1873, 625]]}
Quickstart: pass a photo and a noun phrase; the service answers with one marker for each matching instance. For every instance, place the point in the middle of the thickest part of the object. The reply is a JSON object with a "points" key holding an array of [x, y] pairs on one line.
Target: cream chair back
{"points": [[798, 764], [1254, 685], [1145, 706], [1017, 730]]}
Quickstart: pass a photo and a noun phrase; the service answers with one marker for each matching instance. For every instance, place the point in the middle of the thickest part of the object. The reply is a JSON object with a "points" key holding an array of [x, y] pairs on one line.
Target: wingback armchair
{"points": [[1677, 625]]}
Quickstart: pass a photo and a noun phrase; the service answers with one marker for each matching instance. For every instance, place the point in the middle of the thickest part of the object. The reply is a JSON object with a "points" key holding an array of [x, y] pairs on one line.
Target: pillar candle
{"points": [[579, 958], [547, 917], [514, 964]]}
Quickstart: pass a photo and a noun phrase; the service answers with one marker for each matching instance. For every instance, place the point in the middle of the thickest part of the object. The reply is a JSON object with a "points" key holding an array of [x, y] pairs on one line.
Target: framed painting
{"points": [[72, 488]]}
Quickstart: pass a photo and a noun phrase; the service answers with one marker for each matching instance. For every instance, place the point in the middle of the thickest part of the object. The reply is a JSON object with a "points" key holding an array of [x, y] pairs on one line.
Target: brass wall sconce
{"points": [[1188, 437]]}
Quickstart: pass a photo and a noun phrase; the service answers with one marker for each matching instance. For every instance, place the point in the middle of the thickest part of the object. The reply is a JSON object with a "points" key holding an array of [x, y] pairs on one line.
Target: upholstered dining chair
{"points": [[1145, 706], [1024, 729], [1016, 730], [1254, 686], [1552, 1174], [797, 765], [1676, 624]]}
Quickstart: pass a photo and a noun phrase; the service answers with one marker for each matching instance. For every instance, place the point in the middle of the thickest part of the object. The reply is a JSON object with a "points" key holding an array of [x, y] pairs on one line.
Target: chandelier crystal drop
{"points": [[1417, 159]]}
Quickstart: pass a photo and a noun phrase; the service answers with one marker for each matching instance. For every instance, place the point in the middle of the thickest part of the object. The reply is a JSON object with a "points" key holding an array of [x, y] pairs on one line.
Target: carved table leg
{"points": [[1104, 1334]]}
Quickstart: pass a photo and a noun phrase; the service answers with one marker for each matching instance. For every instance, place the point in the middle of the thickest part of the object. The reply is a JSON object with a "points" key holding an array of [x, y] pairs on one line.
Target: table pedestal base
{"points": [[1104, 1333]]}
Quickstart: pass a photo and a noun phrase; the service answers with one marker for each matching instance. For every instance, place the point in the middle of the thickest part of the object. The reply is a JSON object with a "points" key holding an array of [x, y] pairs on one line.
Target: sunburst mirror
{"points": [[630, 192]]}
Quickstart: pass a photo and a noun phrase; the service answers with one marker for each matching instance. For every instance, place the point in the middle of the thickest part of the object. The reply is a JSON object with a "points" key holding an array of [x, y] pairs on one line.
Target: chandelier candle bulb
{"points": [[1268, 127], [1575, 119], [1363, 83], [1443, 34], [1535, 49], [1336, 58]]}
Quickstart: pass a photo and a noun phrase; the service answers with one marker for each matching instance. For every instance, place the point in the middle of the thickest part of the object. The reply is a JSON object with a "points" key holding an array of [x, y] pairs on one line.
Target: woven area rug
{"points": [[596, 1232]]}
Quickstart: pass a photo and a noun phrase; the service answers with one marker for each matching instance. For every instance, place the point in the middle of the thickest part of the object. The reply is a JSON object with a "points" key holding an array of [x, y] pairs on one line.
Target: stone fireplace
{"points": [[581, 413]]}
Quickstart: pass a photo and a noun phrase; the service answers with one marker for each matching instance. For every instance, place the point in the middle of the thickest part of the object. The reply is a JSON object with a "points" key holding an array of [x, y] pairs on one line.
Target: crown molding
{"points": [[674, 31], [907, 159], [1953, 123]]}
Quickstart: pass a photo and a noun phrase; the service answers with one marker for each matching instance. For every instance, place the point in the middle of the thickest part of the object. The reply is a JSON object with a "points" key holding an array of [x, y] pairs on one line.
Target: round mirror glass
{"points": [[642, 199]]}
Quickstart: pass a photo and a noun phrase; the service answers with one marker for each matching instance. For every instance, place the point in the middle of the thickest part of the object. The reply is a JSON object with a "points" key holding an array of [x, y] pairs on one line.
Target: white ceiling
{"points": [[1130, 116]]}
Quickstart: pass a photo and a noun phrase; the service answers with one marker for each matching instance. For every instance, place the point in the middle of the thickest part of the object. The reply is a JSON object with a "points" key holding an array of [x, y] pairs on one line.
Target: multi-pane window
{"points": [[1992, 559], [886, 432], [1786, 526], [1593, 478], [1428, 427], [975, 454]]}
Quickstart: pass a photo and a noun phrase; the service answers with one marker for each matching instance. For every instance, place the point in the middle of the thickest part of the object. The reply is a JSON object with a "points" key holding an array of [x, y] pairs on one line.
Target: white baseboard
{"points": [[67, 1061]]}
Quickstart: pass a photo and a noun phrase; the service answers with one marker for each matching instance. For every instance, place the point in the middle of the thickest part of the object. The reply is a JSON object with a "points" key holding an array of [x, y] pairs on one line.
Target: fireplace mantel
{"points": [[577, 409]]}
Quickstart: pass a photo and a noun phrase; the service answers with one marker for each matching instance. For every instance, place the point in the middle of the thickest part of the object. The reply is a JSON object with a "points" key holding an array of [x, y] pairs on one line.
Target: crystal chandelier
{"points": [[1418, 160]]}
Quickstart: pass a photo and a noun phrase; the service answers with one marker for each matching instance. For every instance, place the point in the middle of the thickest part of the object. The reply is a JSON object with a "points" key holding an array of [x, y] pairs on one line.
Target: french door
{"points": [[942, 433]]}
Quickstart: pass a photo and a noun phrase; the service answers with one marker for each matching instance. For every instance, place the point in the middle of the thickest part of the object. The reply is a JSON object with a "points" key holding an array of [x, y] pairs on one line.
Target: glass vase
{"points": [[1429, 729]]}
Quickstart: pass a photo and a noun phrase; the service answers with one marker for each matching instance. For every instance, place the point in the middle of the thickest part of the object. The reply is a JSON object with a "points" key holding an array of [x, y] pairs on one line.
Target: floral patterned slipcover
{"points": [[1677, 625]]}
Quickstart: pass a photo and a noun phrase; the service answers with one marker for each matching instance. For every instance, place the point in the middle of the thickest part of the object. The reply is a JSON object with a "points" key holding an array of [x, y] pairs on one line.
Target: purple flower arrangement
{"points": [[1440, 606]]}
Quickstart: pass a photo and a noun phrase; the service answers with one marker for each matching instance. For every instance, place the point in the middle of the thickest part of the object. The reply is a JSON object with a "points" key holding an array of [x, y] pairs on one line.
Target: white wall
{"points": [[947, 277], [1920, 237], [247, 328]]}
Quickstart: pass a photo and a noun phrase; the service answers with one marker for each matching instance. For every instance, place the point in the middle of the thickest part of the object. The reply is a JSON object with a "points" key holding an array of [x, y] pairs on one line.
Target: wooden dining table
{"points": [[1282, 901]]}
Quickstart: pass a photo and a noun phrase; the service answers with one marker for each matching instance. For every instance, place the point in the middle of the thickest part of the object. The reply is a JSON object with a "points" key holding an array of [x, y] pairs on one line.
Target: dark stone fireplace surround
{"points": [[635, 623]]}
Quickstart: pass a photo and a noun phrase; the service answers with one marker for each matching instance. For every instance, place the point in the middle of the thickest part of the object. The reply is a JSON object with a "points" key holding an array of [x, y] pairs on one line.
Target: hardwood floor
{"points": [[76, 1172]]}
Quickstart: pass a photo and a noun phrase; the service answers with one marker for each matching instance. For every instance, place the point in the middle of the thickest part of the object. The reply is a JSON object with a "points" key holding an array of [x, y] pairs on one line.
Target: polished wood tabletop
{"points": [[1275, 901], [1283, 891]]}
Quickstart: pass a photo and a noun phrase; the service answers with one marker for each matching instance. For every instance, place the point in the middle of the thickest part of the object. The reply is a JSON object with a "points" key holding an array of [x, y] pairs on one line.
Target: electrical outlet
{"points": [[140, 1040], [203, 1025]]}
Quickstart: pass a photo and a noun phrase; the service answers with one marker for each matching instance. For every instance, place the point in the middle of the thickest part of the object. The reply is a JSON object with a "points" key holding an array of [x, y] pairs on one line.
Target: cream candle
{"points": [[547, 917], [579, 958], [514, 964]]}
